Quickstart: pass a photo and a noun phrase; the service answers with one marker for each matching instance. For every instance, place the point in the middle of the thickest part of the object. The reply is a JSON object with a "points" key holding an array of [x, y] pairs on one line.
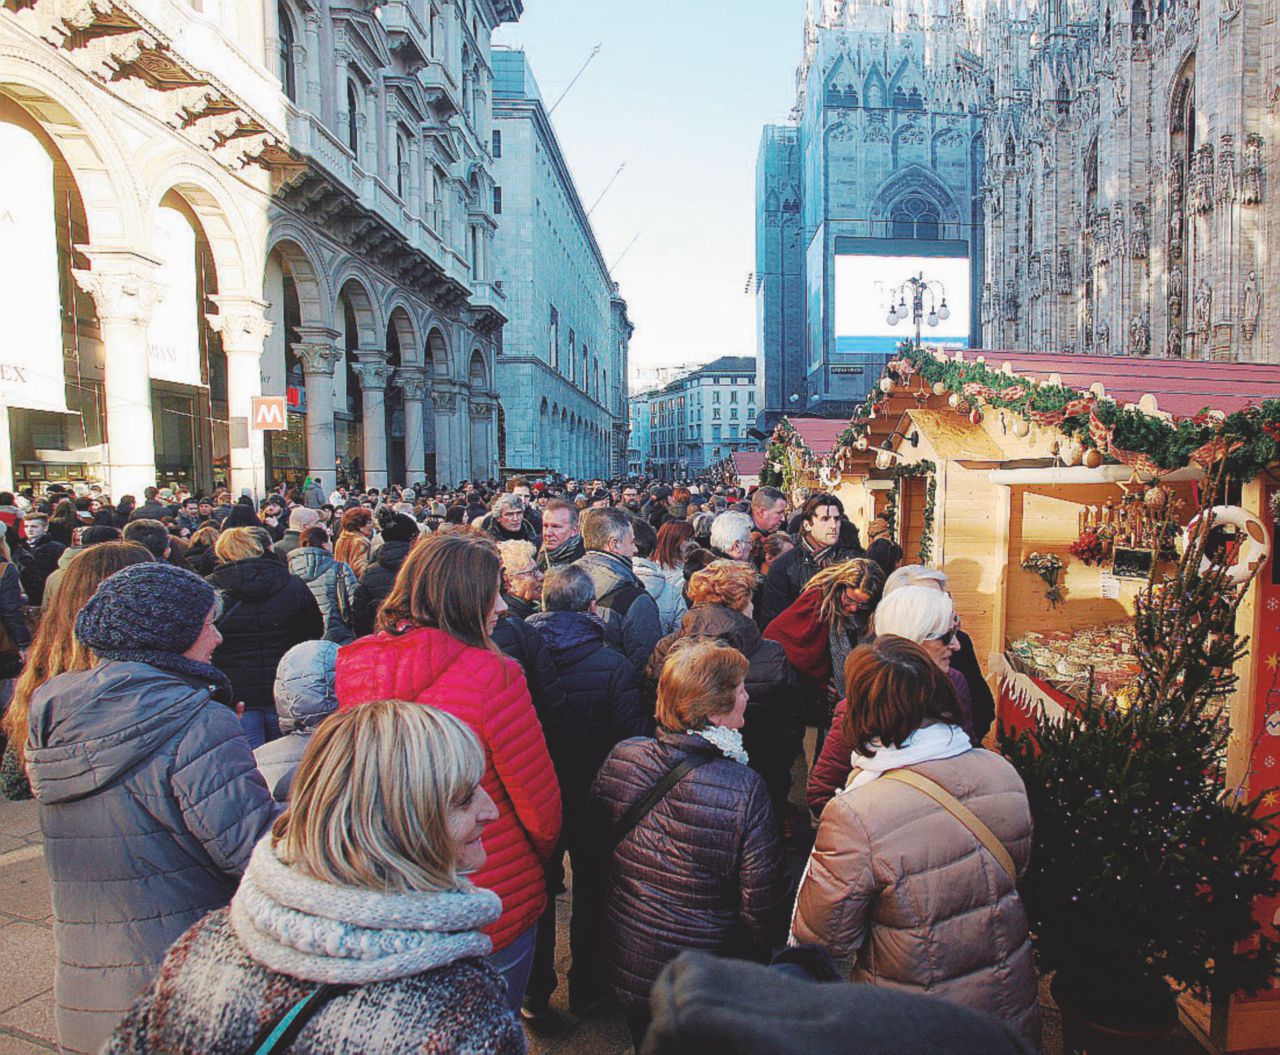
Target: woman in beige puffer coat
{"points": [[898, 887]]}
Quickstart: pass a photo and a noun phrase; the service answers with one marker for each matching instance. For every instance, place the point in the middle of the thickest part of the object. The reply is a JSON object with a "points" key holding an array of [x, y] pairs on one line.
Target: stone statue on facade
{"points": [[1139, 239], [1103, 339], [1251, 306], [1225, 189], [1200, 196], [1117, 230], [1102, 237], [1033, 276], [988, 306], [1064, 270], [1251, 175], [1177, 290], [1175, 228], [1173, 343], [1139, 336], [1010, 300], [1202, 309]]}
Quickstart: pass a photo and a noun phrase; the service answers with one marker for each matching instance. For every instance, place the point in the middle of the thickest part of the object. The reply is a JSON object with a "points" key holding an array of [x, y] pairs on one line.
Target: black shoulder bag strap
{"points": [[656, 794], [278, 1034]]}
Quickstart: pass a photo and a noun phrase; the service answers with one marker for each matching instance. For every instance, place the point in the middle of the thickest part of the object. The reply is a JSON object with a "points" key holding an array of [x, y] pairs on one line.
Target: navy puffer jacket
{"points": [[150, 805], [265, 612], [702, 870], [602, 703]]}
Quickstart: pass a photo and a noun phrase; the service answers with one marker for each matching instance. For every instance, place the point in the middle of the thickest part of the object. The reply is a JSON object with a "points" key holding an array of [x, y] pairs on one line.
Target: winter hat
{"points": [[301, 518], [305, 690], [877, 527], [145, 608], [399, 528]]}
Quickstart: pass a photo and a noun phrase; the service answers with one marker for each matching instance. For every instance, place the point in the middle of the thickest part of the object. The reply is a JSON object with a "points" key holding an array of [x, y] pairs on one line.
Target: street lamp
{"points": [[917, 287]]}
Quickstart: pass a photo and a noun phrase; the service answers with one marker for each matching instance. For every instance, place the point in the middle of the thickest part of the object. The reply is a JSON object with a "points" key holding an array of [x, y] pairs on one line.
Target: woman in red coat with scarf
{"points": [[433, 647]]}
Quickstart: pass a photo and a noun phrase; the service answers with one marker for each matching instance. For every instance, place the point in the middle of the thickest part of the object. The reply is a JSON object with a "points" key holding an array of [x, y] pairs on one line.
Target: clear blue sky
{"points": [[679, 92]]}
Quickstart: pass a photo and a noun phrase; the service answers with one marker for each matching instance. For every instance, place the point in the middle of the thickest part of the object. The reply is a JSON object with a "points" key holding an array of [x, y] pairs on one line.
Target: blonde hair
{"points": [[238, 543], [727, 582], [55, 649], [369, 806], [856, 574], [700, 677]]}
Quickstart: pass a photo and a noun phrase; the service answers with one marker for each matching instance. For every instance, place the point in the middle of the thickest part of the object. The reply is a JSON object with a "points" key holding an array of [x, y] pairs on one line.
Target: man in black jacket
{"points": [[399, 532], [603, 707], [45, 553], [820, 546]]}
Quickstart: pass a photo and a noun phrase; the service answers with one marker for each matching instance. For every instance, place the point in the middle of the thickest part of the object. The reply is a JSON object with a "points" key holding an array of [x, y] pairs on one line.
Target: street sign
{"points": [[270, 414]]}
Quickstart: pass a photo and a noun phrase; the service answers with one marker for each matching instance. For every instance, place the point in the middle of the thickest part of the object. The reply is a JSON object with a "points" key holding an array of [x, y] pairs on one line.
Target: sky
{"points": [[679, 92]]}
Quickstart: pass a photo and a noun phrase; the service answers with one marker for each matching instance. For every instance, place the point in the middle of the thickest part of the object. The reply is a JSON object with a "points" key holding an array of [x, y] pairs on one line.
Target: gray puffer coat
{"points": [[332, 584], [150, 805], [630, 615], [305, 697]]}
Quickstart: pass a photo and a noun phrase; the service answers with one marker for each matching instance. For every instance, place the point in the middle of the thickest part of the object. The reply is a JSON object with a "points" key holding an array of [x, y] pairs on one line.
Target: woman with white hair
{"points": [[965, 660], [917, 613]]}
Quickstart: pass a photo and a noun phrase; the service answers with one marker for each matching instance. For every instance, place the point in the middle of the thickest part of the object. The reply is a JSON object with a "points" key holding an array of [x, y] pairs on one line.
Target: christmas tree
{"points": [[1147, 860]]}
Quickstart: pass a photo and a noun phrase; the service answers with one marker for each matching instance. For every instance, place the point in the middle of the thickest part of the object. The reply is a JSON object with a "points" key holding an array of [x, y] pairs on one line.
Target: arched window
{"points": [[402, 164], [915, 217], [284, 52], [353, 108]]}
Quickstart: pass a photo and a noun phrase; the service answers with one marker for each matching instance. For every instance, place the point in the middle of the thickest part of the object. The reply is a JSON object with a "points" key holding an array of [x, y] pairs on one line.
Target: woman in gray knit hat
{"points": [[149, 798]]}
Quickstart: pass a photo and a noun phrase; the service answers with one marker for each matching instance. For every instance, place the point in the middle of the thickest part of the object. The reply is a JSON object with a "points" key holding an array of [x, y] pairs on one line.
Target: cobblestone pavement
{"points": [[26, 961]]}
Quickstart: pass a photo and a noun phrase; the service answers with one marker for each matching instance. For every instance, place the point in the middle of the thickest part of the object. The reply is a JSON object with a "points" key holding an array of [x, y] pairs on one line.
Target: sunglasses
{"points": [[948, 638]]}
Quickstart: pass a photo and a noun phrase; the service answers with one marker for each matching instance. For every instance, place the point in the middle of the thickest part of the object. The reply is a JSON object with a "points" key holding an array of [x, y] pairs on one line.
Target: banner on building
{"points": [[173, 338], [31, 367]]}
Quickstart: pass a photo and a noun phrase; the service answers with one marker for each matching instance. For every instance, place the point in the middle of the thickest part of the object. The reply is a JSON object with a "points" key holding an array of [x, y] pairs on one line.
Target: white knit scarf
{"points": [[929, 743], [727, 741], [321, 932]]}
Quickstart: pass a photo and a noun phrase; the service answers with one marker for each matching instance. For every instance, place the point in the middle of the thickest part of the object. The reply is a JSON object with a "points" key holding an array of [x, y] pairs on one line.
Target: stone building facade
{"points": [[702, 417], [286, 198], [563, 367], [1126, 199], [883, 157]]}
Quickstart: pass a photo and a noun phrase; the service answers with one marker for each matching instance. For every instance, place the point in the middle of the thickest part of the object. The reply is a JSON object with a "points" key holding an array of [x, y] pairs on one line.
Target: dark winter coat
{"points": [[265, 612], [45, 553], [603, 704], [152, 510], [702, 870], [790, 574], [201, 559], [630, 615], [773, 728], [150, 804], [332, 584], [982, 705], [375, 585], [519, 641]]}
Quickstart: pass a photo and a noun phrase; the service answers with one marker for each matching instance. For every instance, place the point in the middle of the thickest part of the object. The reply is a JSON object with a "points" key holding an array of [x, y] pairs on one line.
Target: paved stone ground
{"points": [[26, 961]]}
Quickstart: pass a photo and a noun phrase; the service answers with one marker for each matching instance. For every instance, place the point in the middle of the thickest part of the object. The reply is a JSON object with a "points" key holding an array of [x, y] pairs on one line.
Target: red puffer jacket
{"points": [[488, 692]]}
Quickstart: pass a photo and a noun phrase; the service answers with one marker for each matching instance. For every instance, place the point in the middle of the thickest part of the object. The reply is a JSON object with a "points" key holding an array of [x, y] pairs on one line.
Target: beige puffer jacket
{"points": [[902, 887]]}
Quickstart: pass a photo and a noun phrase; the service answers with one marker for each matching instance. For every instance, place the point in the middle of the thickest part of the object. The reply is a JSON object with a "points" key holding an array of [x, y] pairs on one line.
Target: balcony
{"points": [[443, 94], [409, 37], [488, 306]]}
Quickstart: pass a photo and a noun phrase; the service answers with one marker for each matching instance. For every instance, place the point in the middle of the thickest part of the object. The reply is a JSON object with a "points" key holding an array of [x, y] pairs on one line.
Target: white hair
{"points": [[918, 613], [914, 575], [507, 501], [728, 529]]}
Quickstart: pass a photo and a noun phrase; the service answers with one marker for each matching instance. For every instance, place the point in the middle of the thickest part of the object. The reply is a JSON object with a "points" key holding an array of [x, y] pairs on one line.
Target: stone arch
{"points": [[90, 147], [354, 287], [236, 263], [437, 355], [401, 323], [914, 180], [874, 90], [477, 372], [293, 248]]}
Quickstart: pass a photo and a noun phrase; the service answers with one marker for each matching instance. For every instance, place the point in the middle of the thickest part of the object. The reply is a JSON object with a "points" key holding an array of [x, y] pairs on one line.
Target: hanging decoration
{"points": [[1240, 552], [890, 511], [1049, 567]]}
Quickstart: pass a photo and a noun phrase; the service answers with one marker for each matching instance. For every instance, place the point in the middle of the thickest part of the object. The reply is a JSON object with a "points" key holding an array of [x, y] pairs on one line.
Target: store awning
{"points": [[748, 463], [819, 434]]}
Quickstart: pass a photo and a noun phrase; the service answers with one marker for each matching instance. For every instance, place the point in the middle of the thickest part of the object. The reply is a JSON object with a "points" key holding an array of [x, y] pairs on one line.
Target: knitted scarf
{"points": [[175, 663], [321, 932], [929, 743]]}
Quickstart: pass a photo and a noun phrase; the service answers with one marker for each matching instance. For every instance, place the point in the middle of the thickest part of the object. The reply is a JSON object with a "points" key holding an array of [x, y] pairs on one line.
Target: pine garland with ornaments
{"points": [[1147, 859], [1248, 440]]}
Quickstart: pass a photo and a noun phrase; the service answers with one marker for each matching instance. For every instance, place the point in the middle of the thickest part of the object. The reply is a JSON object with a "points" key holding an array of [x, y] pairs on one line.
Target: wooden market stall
{"points": [[983, 485]]}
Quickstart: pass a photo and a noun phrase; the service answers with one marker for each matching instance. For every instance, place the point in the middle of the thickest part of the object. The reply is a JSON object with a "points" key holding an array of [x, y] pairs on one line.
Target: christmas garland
{"points": [[778, 470], [1247, 438], [890, 511]]}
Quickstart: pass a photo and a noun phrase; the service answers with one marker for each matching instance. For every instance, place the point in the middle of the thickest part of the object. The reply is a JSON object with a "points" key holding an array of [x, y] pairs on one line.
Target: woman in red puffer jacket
{"points": [[433, 647]]}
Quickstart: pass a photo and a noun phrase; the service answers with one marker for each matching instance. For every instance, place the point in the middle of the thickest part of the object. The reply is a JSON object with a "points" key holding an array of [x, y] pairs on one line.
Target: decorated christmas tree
{"points": [[1147, 857]]}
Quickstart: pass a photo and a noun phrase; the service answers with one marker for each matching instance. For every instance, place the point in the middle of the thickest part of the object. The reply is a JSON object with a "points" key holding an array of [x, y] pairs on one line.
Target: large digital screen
{"points": [[868, 285]]}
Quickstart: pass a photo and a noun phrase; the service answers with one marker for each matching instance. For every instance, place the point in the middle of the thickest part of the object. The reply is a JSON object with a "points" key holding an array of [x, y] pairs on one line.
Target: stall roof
{"points": [[955, 437], [748, 463], [1180, 387], [820, 434]]}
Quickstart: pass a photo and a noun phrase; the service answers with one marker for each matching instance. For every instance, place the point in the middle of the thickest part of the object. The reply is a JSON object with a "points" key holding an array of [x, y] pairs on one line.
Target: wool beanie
{"points": [[399, 528], [153, 607]]}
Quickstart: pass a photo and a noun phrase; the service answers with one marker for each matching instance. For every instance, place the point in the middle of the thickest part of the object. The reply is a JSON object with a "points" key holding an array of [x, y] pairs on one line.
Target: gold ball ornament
{"points": [[1157, 499], [886, 385], [1092, 458], [1072, 453], [1021, 428], [939, 388], [953, 400]]}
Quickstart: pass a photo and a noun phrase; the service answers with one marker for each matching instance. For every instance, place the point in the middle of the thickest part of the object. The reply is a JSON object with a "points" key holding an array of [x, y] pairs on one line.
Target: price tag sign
{"points": [[1110, 587]]}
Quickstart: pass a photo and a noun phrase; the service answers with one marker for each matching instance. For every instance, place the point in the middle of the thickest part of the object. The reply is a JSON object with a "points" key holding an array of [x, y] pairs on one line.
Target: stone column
{"points": [[482, 425], [319, 355], [374, 372], [414, 385], [451, 428], [125, 292], [242, 323]]}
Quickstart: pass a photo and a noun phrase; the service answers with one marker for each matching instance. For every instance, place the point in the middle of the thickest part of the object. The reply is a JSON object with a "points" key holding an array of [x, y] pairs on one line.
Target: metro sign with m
{"points": [[270, 413]]}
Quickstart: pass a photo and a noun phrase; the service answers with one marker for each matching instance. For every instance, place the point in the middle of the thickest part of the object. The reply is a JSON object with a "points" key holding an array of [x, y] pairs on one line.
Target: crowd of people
{"points": [[310, 769]]}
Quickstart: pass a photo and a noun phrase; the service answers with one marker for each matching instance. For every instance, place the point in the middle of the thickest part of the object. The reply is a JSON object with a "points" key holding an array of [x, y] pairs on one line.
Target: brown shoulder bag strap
{"points": [[960, 812]]}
